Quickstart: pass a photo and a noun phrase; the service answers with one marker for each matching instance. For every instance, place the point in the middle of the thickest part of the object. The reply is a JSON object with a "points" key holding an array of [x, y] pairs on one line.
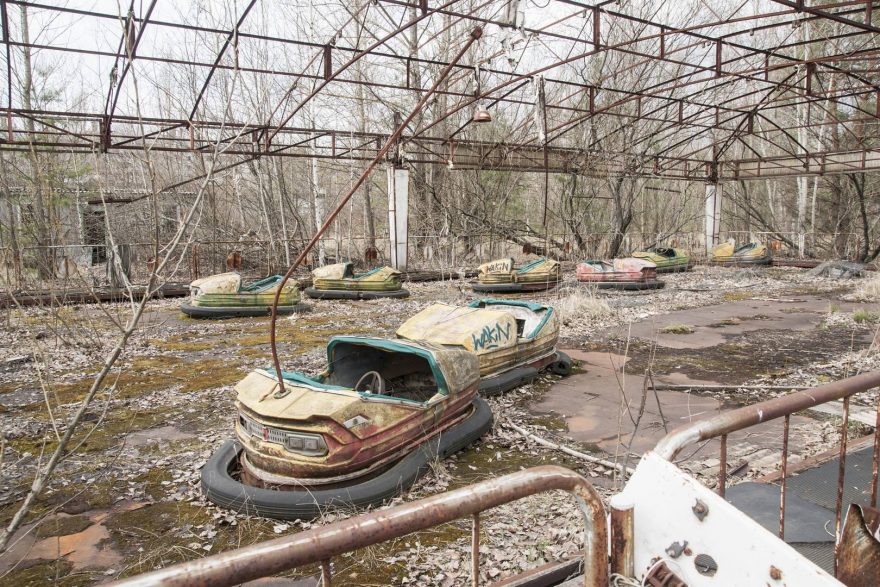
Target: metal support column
{"points": [[398, 215], [713, 214]]}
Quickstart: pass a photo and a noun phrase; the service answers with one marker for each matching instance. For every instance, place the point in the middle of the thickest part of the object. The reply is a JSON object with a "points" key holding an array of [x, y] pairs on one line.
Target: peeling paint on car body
{"points": [[503, 271], [752, 253], [341, 276], [667, 259], [627, 269], [228, 290], [489, 328], [388, 424]]}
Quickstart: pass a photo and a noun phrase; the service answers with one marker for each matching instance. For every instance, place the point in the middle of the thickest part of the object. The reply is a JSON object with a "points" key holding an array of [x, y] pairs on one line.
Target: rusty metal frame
{"points": [[320, 545], [735, 62], [722, 425]]}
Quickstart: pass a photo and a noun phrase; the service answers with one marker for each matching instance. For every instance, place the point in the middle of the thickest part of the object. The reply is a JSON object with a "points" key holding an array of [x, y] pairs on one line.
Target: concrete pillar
{"points": [[713, 214], [398, 215]]}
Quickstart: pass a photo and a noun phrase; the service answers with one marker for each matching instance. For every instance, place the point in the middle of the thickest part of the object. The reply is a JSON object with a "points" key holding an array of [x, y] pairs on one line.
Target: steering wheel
{"points": [[371, 382]]}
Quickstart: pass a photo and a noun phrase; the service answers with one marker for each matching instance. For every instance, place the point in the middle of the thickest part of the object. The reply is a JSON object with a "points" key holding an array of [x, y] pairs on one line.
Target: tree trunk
{"points": [[42, 237]]}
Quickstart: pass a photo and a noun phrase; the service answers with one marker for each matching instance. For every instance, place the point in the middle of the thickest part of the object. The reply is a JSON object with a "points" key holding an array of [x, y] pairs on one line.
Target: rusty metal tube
{"points": [[734, 420], [785, 434], [622, 537], [320, 544], [476, 33], [875, 468], [841, 474], [475, 550]]}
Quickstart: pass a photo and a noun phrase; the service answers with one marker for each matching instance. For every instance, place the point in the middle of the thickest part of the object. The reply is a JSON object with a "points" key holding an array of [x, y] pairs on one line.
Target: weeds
{"points": [[581, 304], [865, 317], [677, 329]]}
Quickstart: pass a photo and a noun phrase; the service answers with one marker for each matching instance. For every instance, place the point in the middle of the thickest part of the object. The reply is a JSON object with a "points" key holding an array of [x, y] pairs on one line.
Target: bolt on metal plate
{"points": [[701, 510], [705, 565]]}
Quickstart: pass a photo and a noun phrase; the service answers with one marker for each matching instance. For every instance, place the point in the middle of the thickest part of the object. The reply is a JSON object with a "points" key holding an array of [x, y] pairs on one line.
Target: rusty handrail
{"points": [[734, 420], [318, 545], [783, 407]]}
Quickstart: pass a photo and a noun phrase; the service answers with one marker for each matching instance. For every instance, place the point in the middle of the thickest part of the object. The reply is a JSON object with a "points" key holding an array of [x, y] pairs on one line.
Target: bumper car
{"points": [[625, 274], [753, 253], [667, 259], [226, 296], [340, 282], [513, 340], [500, 276], [357, 434]]}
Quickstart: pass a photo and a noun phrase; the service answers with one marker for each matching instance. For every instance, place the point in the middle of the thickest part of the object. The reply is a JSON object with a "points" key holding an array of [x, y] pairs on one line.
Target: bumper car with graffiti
{"points": [[626, 274], [501, 276], [751, 253], [340, 282], [355, 435], [226, 296], [513, 340], [667, 259]]}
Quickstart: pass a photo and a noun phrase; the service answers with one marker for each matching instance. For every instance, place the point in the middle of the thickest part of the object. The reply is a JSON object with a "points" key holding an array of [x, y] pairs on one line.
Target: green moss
{"points": [[737, 296], [154, 520], [57, 572], [180, 345], [153, 478], [677, 329], [62, 526], [550, 422], [116, 424]]}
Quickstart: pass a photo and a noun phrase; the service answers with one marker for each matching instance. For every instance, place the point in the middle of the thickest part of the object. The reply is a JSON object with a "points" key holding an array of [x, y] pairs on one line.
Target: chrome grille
{"points": [[299, 442]]}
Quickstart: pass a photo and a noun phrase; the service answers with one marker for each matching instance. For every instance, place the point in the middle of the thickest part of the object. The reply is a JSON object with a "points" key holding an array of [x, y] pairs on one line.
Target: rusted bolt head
{"points": [[700, 509], [775, 573]]}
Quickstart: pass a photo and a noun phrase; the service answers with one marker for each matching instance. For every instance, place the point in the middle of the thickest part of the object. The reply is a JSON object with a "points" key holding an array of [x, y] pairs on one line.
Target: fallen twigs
{"points": [[565, 449]]}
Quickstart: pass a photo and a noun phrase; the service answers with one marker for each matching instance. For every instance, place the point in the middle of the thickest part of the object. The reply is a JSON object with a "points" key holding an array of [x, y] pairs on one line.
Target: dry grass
{"points": [[869, 292], [677, 329], [581, 304]]}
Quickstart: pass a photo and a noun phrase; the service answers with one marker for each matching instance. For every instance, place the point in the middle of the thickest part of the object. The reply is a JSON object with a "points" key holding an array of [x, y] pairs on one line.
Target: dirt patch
{"points": [[62, 525], [763, 352], [714, 325]]}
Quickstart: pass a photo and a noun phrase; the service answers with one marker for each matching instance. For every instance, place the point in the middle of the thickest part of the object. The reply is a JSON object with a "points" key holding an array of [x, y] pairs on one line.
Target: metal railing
{"points": [[319, 545], [722, 425]]}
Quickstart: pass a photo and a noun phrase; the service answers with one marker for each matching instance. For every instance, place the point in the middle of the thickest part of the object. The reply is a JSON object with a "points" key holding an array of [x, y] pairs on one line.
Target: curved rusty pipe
{"points": [[321, 544], [475, 34]]}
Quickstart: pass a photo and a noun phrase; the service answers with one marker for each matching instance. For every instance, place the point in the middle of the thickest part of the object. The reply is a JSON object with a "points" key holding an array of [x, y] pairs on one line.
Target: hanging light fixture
{"points": [[481, 113]]}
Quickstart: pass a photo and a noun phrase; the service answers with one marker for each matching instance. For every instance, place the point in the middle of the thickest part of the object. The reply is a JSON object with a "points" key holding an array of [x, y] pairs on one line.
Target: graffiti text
{"points": [[490, 336]]}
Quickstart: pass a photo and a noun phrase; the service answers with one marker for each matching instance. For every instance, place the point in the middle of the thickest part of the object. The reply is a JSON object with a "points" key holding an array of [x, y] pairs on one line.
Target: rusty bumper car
{"points": [[667, 259], [340, 282], [501, 276], [751, 253], [357, 434], [514, 340], [625, 274], [226, 295]]}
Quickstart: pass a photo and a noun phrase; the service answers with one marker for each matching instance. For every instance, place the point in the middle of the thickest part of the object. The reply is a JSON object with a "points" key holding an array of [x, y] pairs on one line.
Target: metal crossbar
{"points": [[725, 423], [319, 545]]}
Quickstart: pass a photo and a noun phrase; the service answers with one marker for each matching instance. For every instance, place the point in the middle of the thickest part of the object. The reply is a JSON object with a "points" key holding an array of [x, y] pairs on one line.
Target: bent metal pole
{"points": [[475, 34]]}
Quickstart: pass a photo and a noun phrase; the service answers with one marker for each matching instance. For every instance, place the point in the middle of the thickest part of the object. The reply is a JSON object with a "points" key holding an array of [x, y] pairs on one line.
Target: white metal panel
{"points": [[713, 214], [398, 215], [663, 497]]}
